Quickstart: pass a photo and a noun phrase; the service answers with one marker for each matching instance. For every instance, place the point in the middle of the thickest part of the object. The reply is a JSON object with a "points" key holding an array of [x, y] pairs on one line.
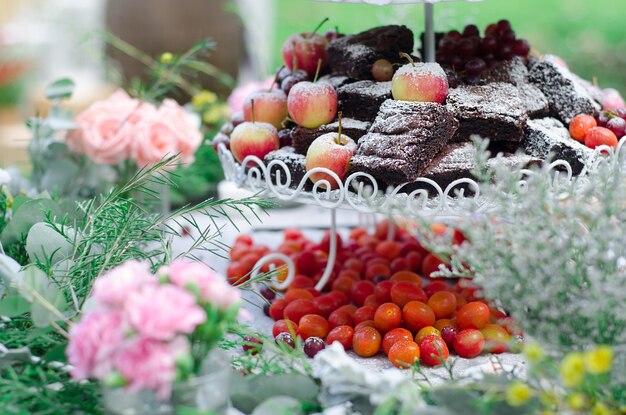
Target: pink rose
{"points": [[213, 287], [167, 132], [162, 312], [92, 343], [106, 129], [114, 287], [150, 364], [239, 94]]}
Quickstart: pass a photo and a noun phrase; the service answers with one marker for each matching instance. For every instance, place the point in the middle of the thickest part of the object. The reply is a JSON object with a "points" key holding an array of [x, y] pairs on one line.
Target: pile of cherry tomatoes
{"points": [[380, 298]]}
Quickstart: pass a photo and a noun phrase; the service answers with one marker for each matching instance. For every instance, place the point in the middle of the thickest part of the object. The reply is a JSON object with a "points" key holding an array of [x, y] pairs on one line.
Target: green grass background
{"points": [[589, 35]]}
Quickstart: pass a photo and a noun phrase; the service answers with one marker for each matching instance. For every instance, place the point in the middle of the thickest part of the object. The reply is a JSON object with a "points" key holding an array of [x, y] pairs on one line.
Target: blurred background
{"points": [[102, 43]]}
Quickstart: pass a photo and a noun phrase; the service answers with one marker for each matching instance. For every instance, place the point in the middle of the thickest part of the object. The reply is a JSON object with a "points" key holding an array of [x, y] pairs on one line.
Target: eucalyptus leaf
{"points": [[60, 176], [9, 357], [26, 216], [47, 245], [278, 405], [13, 306], [60, 89], [33, 280], [248, 392]]}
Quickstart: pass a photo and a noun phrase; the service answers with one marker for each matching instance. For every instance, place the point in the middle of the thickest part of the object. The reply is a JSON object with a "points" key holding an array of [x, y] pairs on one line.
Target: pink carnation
{"points": [[106, 129], [213, 287], [114, 287], [162, 312], [169, 131], [150, 364], [92, 342], [239, 94]]}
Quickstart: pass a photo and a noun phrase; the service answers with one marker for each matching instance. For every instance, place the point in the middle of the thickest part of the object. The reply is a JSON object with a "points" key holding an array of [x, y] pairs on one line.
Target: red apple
{"points": [[423, 82], [269, 106], [312, 104], [253, 139], [304, 50], [332, 151]]}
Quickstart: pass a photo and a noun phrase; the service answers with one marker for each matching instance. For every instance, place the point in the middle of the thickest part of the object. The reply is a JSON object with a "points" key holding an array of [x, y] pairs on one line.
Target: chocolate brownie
{"points": [[403, 140], [566, 96], [457, 161], [361, 100], [296, 163], [493, 111], [512, 71], [534, 100], [548, 137], [353, 55], [303, 137]]}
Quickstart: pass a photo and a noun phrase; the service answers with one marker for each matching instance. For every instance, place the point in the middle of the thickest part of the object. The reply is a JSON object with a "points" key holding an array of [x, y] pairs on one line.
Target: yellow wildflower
{"points": [[599, 360], [573, 369], [576, 400], [203, 97], [548, 398], [211, 116], [166, 58], [601, 409], [518, 393], [533, 352]]}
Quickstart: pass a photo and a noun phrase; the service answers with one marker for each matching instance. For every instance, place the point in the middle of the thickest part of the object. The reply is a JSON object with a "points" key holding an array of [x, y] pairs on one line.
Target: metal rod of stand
{"points": [[332, 253], [429, 33]]}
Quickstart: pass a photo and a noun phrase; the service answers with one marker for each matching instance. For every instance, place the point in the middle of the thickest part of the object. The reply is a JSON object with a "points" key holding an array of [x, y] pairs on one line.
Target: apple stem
{"points": [[319, 26], [407, 57], [275, 79], [317, 71], [339, 128], [294, 58], [252, 110]]}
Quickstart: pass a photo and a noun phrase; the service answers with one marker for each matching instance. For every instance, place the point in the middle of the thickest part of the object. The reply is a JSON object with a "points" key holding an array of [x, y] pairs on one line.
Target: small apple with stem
{"points": [[306, 49], [269, 105], [312, 104], [417, 81], [253, 138], [332, 151]]}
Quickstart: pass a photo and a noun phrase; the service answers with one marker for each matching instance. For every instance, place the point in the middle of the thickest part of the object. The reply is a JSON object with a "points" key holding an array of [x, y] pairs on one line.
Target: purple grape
{"points": [[475, 66], [504, 25], [267, 292], [284, 137], [237, 118], [252, 345], [521, 47], [507, 36], [286, 339], [457, 62], [466, 47], [266, 309], [471, 30], [220, 138], [474, 80], [505, 52], [603, 118], [454, 35], [489, 44], [618, 126], [313, 345], [283, 73], [454, 80]]}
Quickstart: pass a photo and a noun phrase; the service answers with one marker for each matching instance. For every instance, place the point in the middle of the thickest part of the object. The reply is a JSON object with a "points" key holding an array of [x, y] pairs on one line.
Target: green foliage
{"points": [[60, 89]]}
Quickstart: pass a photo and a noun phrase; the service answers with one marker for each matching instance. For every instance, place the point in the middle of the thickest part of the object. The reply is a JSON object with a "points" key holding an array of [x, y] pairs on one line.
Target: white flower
{"points": [[5, 177]]}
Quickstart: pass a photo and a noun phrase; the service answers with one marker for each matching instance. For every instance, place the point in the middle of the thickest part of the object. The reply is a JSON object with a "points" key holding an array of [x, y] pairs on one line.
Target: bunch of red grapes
{"points": [[469, 54]]}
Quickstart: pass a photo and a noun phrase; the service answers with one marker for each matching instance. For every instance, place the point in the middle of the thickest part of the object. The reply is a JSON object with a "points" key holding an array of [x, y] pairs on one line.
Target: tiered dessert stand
{"points": [[361, 192]]}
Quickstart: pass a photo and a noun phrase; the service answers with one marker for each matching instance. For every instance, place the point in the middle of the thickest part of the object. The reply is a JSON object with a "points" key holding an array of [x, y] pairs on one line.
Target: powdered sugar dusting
{"points": [[497, 98], [421, 68]]}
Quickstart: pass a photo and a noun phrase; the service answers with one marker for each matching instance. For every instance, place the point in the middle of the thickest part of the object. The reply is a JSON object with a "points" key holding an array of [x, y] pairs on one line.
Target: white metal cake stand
{"points": [[361, 193]]}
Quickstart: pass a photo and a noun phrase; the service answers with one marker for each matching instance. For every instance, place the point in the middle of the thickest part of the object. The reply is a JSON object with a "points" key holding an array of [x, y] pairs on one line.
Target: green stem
{"points": [[317, 71], [407, 57], [252, 109], [319, 26]]}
